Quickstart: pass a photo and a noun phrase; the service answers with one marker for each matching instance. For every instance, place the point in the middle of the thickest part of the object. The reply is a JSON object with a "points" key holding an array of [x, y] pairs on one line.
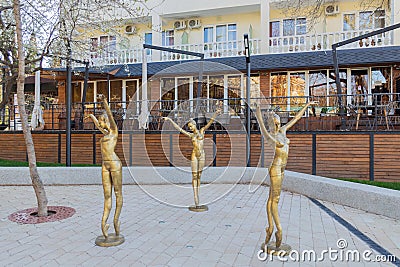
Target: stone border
{"points": [[360, 196]]}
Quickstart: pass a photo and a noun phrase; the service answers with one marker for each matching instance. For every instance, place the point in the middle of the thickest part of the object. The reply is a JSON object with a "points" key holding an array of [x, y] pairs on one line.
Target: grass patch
{"points": [[389, 185], [15, 163]]}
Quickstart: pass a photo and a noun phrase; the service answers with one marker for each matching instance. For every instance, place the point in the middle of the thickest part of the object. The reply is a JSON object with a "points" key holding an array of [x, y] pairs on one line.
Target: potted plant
{"points": [[324, 110]]}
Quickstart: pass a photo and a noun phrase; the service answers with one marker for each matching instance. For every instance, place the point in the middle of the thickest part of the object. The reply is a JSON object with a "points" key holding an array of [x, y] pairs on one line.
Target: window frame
{"points": [[166, 37], [226, 32]]}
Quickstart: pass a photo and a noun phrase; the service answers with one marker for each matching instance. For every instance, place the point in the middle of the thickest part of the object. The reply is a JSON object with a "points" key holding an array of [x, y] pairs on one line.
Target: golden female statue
{"points": [[111, 176], [277, 136], [198, 156]]}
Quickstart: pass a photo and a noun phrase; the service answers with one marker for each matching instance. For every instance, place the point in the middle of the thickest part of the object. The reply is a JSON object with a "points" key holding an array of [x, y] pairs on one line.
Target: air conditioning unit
{"points": [[194, 23], [179, 25], [331, 10], [130, 29]]}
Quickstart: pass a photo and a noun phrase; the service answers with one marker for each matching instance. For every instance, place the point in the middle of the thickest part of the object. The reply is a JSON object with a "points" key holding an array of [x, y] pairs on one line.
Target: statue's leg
{"points": [[201, 162], [117, 182], [270, 229], [195, 180], [275, 194], [107, 189]]}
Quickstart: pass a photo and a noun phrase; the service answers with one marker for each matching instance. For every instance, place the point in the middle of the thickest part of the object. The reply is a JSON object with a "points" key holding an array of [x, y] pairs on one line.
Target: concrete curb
{"points": [[364, 197]]}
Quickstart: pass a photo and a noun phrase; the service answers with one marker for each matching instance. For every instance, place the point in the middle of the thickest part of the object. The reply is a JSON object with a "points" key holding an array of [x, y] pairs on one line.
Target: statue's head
{"points": [[277, 120], [192, 124], [104, 122], [273, 122]]}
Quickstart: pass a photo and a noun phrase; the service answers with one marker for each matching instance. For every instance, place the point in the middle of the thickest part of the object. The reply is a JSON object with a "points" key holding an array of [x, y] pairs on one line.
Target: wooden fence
{"points": [[362, 155]]}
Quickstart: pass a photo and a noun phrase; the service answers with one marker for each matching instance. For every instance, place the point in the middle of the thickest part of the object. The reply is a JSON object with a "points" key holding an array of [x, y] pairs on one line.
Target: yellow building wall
{"points": [[243, 22]]}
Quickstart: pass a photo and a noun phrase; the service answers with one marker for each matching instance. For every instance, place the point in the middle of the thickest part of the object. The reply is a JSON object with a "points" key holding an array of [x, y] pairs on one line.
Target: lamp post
{"points": [[68, 109], [248, 126]]}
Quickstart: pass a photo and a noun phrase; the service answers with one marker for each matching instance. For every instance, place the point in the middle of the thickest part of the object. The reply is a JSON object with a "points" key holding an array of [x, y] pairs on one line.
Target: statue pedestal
{"points": [[198, 208], [271, 248], [110, 241]]}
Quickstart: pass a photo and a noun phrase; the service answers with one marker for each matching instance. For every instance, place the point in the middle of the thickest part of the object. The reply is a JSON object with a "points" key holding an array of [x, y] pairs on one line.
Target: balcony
{"points": [[324, 41], [210, 50]]}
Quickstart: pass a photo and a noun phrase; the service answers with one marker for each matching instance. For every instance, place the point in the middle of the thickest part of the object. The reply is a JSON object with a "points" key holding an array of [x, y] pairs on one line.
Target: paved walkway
{"points": [[156, 234]]}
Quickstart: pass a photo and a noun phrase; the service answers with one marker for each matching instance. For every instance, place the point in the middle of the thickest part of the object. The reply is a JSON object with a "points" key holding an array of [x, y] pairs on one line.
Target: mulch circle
{"points": [[29, 216]]}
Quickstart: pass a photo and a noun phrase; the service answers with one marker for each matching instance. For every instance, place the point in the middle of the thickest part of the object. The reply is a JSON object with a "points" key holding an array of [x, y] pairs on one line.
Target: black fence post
{"points": [[171, 151], [262, 151], [94, 148], [130, 149], [314, 154], [371, 156], [59, 148], [214, 149]]}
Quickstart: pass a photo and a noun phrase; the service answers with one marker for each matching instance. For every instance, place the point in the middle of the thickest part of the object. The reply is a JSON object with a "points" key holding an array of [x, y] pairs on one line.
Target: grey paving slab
{"points": [[161, 234]]}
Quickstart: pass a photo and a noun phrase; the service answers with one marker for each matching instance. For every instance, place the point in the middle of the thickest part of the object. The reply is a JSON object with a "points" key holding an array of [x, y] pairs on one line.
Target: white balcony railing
{"points": [[324, 41], [210, 50]]}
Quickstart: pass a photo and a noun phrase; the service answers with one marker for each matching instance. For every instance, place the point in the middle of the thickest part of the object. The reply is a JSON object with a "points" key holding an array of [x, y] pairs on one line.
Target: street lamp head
{"points": [[246, 47]]}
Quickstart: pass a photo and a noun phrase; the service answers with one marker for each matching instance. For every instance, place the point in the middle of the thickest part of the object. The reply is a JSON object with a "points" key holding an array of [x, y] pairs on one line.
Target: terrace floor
{"points": [[157, 234]]}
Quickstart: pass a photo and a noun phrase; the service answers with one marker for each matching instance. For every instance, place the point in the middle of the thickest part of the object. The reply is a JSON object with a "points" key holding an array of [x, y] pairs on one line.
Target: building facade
{"points": [[291, 57]]}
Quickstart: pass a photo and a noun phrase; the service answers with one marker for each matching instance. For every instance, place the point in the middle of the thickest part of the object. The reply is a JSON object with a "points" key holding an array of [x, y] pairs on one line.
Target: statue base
{"points": [[271, 248], [198, 208], [110, 241]]}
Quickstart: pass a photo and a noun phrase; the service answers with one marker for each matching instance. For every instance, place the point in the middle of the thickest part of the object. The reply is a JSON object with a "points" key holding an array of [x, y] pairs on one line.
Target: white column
{"points": [[124, 94], [395, 19], [226, 107], [37, 113], [144, 112], [264, 21], [156, 22]]}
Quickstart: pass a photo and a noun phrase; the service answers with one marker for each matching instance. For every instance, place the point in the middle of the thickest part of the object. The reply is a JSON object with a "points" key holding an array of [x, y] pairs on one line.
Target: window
{"points": [[223, 33], [288, 27], [279, 90], [297, 90], [379, 19], [208, 34], [301, 26], [131, 90], [365, 20], [274, 28], [106, 44], [102, 88], [220, 33], [183, 87], [372, 20], [168, 38], [115, 91], [216, 87], [94, 44], [76, 92], [234, 93], [232, 32], [349, 22], [148, 39], [318, 86]]}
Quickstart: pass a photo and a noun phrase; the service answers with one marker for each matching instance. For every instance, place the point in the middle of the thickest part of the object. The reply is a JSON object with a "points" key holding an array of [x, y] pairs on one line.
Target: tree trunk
{"points": [[36, 181]]}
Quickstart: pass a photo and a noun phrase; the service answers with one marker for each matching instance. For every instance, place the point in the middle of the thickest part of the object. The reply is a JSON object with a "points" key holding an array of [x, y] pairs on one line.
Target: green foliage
{"points": [[14, 163], [389, 185]]}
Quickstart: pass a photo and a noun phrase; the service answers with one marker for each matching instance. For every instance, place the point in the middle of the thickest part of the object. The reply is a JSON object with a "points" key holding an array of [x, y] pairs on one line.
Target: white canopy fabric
{"points": [[144, 111]]}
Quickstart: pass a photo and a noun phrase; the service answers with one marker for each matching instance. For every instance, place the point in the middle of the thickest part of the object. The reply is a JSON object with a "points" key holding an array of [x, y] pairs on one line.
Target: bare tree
{"points": [[36, 181], [56, 32]]}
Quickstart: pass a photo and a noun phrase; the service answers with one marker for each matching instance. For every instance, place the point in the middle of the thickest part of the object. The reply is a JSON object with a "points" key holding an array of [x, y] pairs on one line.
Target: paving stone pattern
{"points": [[229, 234]]}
